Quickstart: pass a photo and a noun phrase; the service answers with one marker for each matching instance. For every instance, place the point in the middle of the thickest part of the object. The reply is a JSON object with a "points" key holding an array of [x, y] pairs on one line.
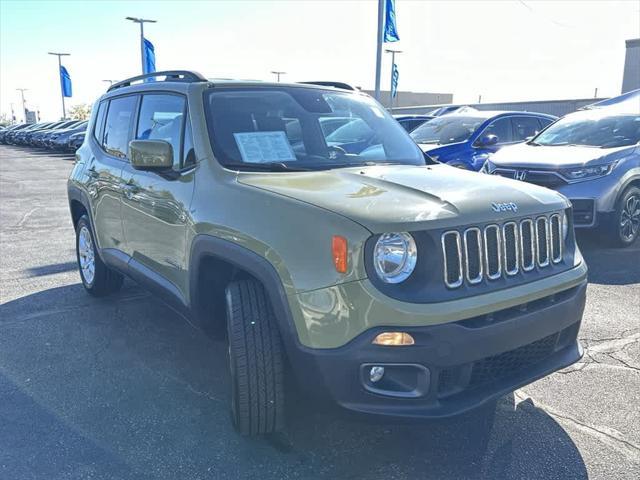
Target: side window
{"points": [[117, 126], [188, 153], [161, 119], [501, 128], [544, 123], [525, 127], [99, 125]]}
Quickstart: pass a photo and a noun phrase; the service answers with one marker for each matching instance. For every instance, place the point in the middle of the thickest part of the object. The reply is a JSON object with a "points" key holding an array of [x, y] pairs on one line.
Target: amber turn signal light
{"points": [[393, 339], [339, 250]]}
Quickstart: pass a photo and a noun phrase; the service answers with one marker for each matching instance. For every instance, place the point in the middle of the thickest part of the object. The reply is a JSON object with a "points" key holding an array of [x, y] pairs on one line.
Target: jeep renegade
{"points": [[303, 223]]}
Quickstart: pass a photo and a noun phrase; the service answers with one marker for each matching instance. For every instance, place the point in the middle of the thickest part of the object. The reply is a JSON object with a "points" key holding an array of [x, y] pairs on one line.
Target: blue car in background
{"points": [[467, 138]]}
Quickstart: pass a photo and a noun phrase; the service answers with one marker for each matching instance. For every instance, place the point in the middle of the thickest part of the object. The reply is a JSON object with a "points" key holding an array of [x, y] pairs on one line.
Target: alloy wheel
{"points": [[630, 218]]}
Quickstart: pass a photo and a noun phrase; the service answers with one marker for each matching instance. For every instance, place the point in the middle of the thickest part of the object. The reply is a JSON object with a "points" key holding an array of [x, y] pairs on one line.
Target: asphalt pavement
{"points": [[125, 388]]}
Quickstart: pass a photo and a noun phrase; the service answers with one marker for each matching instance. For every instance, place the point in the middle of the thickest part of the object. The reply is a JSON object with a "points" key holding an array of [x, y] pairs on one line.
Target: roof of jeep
{"points": [[180, 80]]}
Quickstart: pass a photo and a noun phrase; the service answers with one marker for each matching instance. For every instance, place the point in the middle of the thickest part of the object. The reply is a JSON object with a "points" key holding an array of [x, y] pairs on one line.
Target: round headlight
{"points": [[394, 257]]}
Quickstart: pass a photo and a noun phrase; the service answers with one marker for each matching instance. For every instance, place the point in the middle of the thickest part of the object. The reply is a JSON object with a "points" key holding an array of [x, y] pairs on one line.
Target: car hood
{"points": [[404, 197], [545, 157]]}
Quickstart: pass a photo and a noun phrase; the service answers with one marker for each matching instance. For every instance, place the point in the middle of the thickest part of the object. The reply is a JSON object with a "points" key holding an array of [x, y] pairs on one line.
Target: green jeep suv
{"points": [[301, 222]]}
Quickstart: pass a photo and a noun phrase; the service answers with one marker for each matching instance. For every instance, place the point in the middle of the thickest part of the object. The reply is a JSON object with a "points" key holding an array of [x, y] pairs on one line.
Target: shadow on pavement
{"points": [[50, 269], [125, 388]]}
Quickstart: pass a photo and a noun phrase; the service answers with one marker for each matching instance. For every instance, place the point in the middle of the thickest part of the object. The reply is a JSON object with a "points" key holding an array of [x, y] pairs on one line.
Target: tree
{"points": [[81, 111]]}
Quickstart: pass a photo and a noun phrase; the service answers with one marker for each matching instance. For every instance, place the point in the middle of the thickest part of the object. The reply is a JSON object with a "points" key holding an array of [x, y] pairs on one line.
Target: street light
{"points": [[141, 21], [59, 55], [393, 62], [277, 74], [24, 106]]}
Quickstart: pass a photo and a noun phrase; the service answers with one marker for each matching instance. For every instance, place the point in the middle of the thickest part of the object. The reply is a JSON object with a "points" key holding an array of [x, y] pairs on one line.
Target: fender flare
{"points": [[204, 246]]}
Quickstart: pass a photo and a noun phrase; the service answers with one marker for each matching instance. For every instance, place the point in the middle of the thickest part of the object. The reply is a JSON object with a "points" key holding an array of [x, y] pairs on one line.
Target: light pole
{"points": [[277, 74], [24, 105], [393, 62], [59, 55], [141, 21], [379, 35]]}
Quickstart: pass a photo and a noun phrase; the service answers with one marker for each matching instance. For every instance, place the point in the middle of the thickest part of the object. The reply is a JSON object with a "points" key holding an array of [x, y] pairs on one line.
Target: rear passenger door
{"points": [[109, 142], [155, 206]]}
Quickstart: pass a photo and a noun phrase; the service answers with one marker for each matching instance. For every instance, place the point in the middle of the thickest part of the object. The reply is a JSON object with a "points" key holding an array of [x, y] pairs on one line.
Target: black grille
{"points": [[556, 239], [492, 251], [473, 252], [509, 363], [510, 235], [453, 260], [583, 212], [527, 247], [542, 244]]}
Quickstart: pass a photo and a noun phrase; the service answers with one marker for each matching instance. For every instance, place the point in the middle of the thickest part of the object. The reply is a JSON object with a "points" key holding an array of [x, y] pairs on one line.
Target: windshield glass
{"points": [[304, 129], [592, 129], [447, 129]]}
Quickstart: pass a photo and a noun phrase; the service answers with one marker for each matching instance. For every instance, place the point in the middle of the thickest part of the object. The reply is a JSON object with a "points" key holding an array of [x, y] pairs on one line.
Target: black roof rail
{"points": [[342, 85], [170, 76]]}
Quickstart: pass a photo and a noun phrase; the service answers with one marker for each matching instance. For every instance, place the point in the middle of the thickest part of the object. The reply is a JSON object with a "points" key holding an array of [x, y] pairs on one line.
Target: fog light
{"points": [[376, 374], [393, 339]]}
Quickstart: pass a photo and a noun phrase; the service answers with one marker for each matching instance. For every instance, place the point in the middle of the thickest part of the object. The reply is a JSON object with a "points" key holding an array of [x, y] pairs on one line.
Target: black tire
{"points": [[623, 228], [105, 281], [256, 360]]}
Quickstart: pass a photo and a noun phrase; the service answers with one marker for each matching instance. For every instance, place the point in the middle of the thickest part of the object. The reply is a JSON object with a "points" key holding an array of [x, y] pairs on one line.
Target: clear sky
{"points": [[503, 50]]}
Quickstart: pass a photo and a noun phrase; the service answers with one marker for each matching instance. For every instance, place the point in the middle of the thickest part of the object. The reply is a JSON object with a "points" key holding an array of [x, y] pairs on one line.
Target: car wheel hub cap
{"points": [[86, 255], [630, 218]]}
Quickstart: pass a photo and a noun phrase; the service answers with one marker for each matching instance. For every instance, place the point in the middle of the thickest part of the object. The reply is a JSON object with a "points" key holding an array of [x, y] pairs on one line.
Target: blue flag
{"points": [[390, 28], [395, 75], [65, 82], [149, 57]]}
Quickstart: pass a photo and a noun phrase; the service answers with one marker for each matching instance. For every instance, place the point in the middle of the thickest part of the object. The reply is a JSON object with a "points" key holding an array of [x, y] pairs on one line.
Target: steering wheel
{"points": [[334, 152]]}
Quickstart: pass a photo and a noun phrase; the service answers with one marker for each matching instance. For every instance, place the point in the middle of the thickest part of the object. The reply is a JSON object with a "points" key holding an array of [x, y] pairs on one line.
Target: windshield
{"points": [[592, 129], [447, 129], [291, 128]]}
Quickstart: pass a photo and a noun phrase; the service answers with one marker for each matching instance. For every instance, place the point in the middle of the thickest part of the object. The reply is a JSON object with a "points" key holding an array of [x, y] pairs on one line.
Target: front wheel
{"points": [[625, 225], [256, 360], [97, 279]]}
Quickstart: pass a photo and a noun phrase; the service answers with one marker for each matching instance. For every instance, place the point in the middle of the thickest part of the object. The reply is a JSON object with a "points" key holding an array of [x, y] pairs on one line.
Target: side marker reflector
{"points": [[339, 251]]}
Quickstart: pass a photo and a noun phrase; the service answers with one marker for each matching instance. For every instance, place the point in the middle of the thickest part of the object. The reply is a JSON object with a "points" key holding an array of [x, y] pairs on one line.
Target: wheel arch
{"points": [[228, 261]]}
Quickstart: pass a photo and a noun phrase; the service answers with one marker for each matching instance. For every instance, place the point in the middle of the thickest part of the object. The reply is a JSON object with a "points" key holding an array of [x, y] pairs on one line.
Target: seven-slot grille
{"points": [[501, 250]]}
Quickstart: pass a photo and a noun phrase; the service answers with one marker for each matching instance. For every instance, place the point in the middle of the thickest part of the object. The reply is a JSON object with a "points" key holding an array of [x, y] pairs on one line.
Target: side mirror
{"points": [[150, 154], [487, 140]]}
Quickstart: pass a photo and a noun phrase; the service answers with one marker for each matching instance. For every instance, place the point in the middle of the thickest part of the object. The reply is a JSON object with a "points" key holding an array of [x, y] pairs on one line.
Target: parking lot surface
{"points": [[125, 388]]}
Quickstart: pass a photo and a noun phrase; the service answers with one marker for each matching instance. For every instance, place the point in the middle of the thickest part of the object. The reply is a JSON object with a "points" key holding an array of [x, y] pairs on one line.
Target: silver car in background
{"points": [[593, 158]]}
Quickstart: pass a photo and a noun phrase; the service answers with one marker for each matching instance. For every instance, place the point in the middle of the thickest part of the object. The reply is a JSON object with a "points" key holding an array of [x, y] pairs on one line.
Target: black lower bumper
{"points": [[453, 367]]}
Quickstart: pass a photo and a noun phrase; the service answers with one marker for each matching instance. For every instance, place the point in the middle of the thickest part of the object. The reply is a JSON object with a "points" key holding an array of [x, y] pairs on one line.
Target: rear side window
{"points": [[525, 127], [501, 128], [161, 118], [99, 125], [544, 122], [118, 126]]}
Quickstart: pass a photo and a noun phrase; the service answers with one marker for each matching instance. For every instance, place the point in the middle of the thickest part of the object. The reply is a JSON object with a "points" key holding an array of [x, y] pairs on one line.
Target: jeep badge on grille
{"points": [[504, 207]]}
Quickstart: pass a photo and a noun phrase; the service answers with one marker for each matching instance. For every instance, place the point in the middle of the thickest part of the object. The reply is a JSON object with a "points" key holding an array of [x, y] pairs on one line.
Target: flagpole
{"points": [[143, 52], [59, 55], [379, 47]]}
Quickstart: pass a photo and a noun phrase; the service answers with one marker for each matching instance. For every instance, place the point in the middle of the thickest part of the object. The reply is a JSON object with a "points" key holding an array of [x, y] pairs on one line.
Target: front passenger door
{"points": [[155, 205]]}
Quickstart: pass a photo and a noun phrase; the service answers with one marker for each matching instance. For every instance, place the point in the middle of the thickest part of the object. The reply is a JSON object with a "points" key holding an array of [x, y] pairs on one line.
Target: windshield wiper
{"points": [[267, 166]]}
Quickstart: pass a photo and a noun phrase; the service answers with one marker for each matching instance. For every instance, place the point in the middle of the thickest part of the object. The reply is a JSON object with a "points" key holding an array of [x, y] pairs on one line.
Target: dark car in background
{"points": [[23, 136], [59, 139], [38, 139], [6, 133], [75, 141], [466, 139], [411, 122]]}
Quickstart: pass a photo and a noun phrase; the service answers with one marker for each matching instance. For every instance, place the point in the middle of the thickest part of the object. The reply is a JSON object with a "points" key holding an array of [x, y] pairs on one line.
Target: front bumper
{"points": [[453, 367]]}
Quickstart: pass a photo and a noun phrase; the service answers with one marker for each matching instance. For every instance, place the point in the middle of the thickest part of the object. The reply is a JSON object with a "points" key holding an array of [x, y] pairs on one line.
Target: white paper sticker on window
{"points": [[262, 147]]}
